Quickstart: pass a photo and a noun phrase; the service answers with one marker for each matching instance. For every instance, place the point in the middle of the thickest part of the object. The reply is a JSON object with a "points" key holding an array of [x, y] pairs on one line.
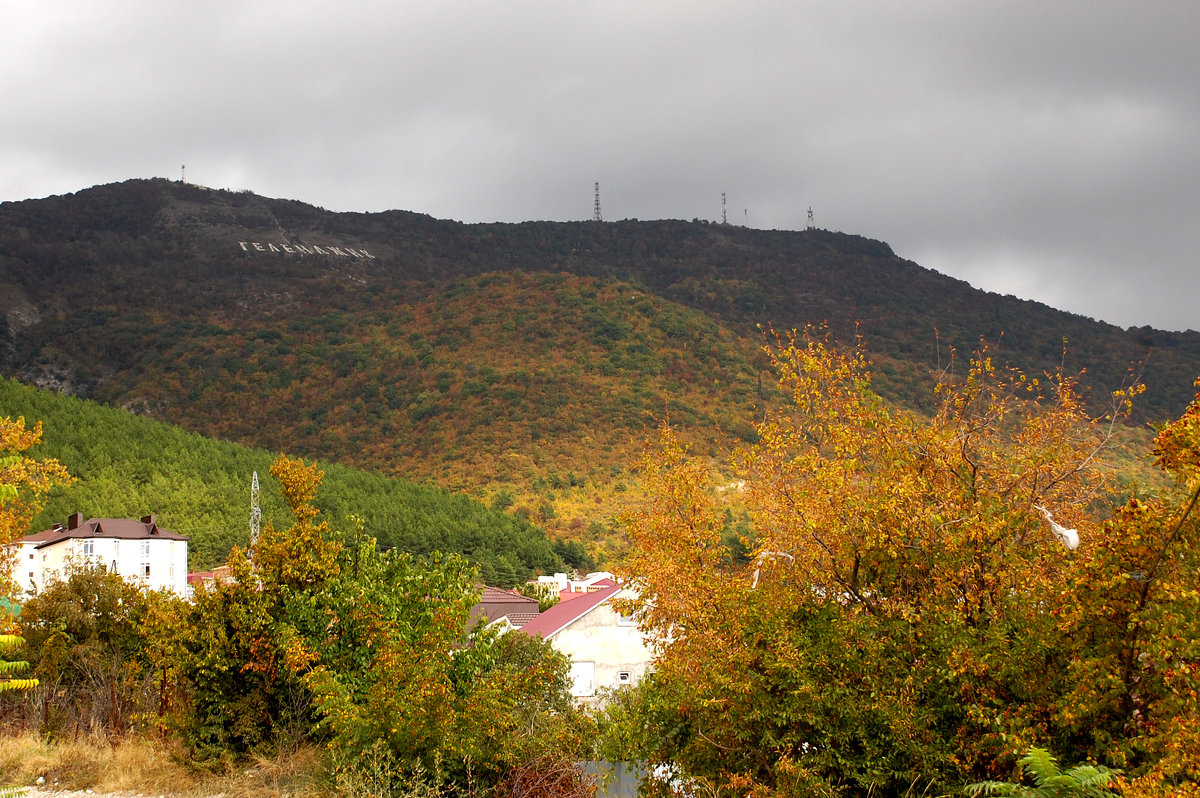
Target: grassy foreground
{"points": [[154, 767]]}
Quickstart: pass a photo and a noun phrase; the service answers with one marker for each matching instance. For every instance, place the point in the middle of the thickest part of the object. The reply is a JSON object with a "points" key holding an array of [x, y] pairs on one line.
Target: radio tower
{"points": [[255, 512], [724, 219], [596, 217], [183, 173], [811, 224]]}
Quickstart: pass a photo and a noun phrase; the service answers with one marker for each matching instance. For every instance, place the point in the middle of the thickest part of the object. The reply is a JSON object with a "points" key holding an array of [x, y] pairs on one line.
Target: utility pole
{"points": [[255, 513]]}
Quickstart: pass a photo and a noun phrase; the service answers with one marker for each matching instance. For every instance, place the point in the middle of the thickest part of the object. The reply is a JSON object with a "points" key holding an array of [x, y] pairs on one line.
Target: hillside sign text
{"points": [[300, 249]]}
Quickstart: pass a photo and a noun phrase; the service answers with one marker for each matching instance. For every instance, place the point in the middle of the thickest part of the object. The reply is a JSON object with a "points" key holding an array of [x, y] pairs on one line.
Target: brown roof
{"points": [[123, 528], [519, 619], [497, 603]]}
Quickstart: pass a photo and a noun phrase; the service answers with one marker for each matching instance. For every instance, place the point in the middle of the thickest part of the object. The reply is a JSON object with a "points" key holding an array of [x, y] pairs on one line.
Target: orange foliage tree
{"points": [[1136, 601], [904, 614]]}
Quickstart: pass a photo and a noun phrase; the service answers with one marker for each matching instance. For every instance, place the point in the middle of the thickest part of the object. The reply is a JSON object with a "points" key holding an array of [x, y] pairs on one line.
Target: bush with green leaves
{"points": [[367, 651], [90, 651], [1081, 781]]}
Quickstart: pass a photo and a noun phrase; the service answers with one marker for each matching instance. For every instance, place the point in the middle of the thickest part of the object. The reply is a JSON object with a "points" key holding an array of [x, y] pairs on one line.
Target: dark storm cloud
{"points": [[1041, 149]]}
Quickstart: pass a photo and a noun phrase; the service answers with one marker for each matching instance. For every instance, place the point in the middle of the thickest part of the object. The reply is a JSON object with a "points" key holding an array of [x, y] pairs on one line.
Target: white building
{"points": [[607, 649], [136, 550]]}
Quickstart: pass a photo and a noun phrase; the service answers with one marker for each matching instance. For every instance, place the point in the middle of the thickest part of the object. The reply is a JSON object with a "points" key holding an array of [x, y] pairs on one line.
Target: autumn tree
{"points": [[227, 648], [1135, 603], [24, 482], [23, 485], [895, 621], [319, 635]]}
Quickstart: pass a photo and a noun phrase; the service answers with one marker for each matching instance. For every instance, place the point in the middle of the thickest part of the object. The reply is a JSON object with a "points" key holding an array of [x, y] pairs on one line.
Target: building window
{"points": [[89, 548], [145, 548], [583, 679], [625, 620], [31, 555], [146, 570]]}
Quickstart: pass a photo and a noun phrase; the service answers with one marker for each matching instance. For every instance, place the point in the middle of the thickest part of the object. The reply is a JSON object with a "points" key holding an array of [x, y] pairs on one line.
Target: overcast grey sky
{"points": [[1043, 149]]}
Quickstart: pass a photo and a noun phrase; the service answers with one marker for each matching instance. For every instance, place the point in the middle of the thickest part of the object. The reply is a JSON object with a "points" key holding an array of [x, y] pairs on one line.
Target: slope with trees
{"points": [[127, 466]]}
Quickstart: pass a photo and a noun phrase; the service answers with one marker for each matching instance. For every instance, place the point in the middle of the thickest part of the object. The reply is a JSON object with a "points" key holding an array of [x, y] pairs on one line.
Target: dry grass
{"points": [[154, 767]]}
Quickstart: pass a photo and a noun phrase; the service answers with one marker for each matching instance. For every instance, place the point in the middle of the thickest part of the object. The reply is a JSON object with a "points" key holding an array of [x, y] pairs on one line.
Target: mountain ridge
{"points": [[437, 349]]}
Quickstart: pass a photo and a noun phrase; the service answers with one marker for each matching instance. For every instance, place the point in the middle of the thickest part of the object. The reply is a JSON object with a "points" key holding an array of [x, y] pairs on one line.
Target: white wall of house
{"points": [[26, 568]]}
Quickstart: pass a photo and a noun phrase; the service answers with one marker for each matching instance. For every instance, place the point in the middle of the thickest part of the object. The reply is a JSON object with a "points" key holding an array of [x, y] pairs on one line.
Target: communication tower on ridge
{"points": [[811, 223], [255, 512], [183, 173], [724, 218], [596, 217]]}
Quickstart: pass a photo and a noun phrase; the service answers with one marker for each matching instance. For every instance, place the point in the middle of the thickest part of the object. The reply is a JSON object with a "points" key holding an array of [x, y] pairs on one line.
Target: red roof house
{"points": [[606, 648]]}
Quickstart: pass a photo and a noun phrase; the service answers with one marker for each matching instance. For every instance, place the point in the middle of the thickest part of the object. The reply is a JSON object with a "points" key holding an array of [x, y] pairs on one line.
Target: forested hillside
{"points": [[523, 362], [127, 466]]}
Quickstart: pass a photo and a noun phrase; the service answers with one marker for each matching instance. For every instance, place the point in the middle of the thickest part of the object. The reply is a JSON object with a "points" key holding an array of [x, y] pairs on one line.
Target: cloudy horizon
{"points": [[1044, 150]]}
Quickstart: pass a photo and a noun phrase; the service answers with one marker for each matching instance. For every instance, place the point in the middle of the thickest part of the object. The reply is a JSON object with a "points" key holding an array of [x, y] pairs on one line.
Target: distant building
{"points": [[136, 550]]}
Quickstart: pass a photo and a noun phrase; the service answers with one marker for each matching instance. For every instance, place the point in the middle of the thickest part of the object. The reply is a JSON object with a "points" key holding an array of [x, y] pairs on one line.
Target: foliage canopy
{"points": [[905, 614]]}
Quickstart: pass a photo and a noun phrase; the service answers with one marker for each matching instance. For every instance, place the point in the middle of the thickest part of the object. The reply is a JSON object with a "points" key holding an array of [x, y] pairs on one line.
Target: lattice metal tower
{"points": [[183, 173], [724, 218], [596, 217], [255, 512], [811, 224]]}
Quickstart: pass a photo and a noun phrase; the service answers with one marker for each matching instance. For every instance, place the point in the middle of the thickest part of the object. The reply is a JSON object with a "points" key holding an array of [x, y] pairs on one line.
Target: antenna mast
{"points": [[811, 224], [596, 217], [183, 173], [255, 511], [724, 218]]}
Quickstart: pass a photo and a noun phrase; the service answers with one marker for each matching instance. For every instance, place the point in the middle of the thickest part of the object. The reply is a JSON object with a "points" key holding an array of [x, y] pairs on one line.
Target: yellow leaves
{"points": [[23, 483], [1177, 446], [300, 555], [18, 684], [298, 657], [300, 483], [7, 668]]}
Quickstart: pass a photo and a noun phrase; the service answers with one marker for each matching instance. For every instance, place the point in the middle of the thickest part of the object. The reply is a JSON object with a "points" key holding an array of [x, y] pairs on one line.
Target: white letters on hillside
{"points": [[300, 249]]}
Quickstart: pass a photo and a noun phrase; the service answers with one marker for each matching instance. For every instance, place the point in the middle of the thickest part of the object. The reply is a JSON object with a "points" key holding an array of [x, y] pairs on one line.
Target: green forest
{"points": [[127, 466]]}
